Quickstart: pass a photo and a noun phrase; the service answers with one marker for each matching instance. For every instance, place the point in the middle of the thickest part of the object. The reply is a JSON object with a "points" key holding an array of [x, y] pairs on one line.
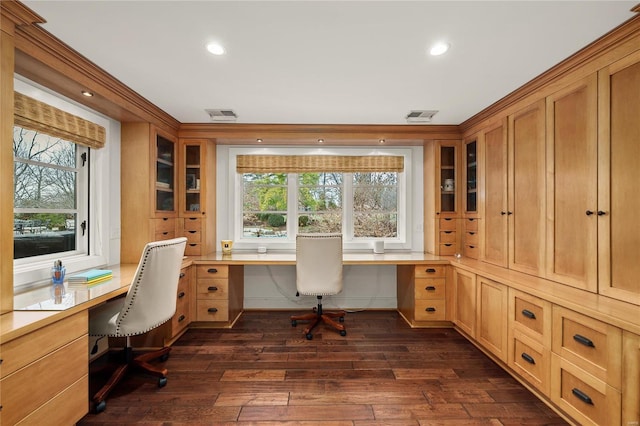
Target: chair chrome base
{"points": [[318, 316]]}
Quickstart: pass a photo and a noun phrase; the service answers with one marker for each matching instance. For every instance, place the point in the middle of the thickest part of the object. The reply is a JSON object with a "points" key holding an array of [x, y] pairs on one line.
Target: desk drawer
{"points": [[212, 310], [447, 237], [447, 249], [471, 252], [164, 224], [471, 224], [212, 271], [582, 396], [164, 235], [67, 408], [215, 288], [531, 315], [531, 360], [430, 288], [448, 224], [40, 381], [193, 249], [26, 349], [430, 271], [193, 236], [471, 238], [192, 224], [590, 344], [430, 310]]}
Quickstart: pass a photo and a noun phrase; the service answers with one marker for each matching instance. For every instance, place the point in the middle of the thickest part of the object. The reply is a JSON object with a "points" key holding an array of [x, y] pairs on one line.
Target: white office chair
{"points": [[149, 302], [319, 273]]}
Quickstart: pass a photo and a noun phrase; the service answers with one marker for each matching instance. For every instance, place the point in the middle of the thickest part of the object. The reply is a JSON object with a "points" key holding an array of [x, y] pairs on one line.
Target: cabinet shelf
{"points": [[165, 162]]}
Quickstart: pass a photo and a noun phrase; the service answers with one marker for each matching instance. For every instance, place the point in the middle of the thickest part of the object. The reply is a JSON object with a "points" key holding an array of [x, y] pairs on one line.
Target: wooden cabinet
{"points": [[572, 176], [494, 209], [182, 317], [619, 174], [149, 190], [219, 293], [45, 374], [464, 289], [526, 189], [197, 200], [529, 338], [491, 305], [422, 294], [470, 240]]}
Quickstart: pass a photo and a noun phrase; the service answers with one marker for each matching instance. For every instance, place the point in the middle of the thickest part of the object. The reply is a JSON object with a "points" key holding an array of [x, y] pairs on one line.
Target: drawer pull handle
{"points": [[528, 314], [192, 232], [212, 270], [582, 396], [193, 218], [182, 317], [430, 309], [448, 245], [583, 341], [430, 270], [430, 288], [165, 218], [448, 219], [182, 274], [528, 358], [212, 310], [193, 245], [472, 247], [472, 233], [212, 288], [165, 233], [448, 232], [181, 295]]}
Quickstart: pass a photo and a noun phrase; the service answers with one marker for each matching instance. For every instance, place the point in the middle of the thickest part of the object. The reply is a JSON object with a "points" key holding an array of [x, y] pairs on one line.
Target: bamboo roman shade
{"points": [[318, 163], [35, 115]]}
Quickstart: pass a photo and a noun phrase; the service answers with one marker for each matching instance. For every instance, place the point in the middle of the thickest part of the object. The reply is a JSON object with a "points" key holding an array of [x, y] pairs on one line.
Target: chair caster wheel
{"points": [[164, 357], [343, 332], [341, 319], [162, 382], [100, 407], [309, 336], [294, 323]]}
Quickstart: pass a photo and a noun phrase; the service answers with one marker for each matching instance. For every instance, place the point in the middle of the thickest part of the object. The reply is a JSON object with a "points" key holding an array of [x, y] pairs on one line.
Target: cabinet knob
{"points": [[589, 212], [181, 318], [509, 213], [181, 295], [503, 213], [601, 213], [182, 274]]}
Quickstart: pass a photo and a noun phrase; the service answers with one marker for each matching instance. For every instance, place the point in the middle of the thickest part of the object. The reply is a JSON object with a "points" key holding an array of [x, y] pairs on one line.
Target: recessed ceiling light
{"points": [[87, 93], [439, 48], [381, 141], [215, 49], [259, 140], [320, 140]]}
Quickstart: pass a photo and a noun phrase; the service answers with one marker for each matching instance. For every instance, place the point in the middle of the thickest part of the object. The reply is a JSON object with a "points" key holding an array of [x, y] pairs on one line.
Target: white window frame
{"points": [[103, 225], [410, 198]]}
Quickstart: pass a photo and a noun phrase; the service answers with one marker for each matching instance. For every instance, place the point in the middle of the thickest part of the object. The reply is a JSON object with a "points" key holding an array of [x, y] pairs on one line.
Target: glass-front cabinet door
{"points": [[192, 179], [447, 169], [165, 162], [471, 178]]}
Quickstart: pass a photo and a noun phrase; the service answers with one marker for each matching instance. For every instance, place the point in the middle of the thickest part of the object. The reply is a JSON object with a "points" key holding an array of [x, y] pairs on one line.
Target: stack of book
{"points": [[89, 278]]}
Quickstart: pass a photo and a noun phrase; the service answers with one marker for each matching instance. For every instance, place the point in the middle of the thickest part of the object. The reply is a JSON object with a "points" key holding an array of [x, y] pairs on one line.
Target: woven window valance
{"points": [[35, 115], [318, 163]]}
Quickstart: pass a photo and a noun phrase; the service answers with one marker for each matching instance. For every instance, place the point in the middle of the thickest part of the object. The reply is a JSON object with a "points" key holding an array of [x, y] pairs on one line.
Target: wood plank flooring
{"points": [[264, 372]]}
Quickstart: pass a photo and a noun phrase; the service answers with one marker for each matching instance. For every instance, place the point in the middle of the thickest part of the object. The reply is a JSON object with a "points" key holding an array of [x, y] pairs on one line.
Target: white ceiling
{"points": [[327, 62]]}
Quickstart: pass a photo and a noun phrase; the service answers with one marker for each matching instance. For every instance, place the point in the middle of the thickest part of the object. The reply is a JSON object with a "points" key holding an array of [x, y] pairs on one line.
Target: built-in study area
{"points": [[517, 227]]}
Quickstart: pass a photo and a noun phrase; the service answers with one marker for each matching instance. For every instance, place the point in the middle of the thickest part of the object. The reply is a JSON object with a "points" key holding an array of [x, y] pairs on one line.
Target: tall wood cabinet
{"points": [[148, 188], [495, 236], [197, 208], [526, 188], [470, 200], [619, 177]]}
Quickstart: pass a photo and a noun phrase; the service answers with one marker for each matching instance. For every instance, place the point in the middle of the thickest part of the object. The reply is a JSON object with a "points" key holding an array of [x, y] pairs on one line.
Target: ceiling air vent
{"points": [[420, 116], [224, 115]]}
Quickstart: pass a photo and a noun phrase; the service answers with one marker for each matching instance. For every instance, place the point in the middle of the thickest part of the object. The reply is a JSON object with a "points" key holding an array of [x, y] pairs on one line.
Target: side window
{"points": [[320, 201], [375, 205], [50, 195], [264, 205]]}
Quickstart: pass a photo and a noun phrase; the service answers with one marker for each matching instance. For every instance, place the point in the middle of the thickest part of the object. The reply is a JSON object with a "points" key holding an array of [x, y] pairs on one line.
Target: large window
{"points": [[50, 195], [270, 208]]}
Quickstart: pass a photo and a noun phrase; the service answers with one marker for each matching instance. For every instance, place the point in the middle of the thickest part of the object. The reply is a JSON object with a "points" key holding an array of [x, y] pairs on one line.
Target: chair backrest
{"points": [[319, 264], [151, 299]]}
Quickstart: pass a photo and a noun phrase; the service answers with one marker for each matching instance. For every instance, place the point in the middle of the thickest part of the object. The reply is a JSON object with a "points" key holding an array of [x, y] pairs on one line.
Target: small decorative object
{"points": [[191, 181], [378, 247], [262, 249], [449, 185], [57, 282], [194, 207], [226, 246]]}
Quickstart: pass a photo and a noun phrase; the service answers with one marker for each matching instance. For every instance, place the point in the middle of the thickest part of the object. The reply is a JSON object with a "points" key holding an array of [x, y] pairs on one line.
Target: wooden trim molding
{"points": [[18, 14]]}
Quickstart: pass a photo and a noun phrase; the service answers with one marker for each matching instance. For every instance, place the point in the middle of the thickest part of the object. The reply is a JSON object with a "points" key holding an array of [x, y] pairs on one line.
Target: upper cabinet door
{"points": [[494, 216], [470, 178], [619, 179], [572, 175], [447, 202], [527, 188], [164, 185]]}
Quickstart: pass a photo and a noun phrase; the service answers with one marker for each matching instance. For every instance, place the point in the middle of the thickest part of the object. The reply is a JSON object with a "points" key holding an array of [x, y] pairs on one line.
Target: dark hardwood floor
{"points": [[264, 372]]}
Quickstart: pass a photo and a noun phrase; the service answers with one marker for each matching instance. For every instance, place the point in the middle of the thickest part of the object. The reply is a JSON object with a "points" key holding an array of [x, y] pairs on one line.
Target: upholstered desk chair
{"points": [[319, 273], [149, 302]]}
